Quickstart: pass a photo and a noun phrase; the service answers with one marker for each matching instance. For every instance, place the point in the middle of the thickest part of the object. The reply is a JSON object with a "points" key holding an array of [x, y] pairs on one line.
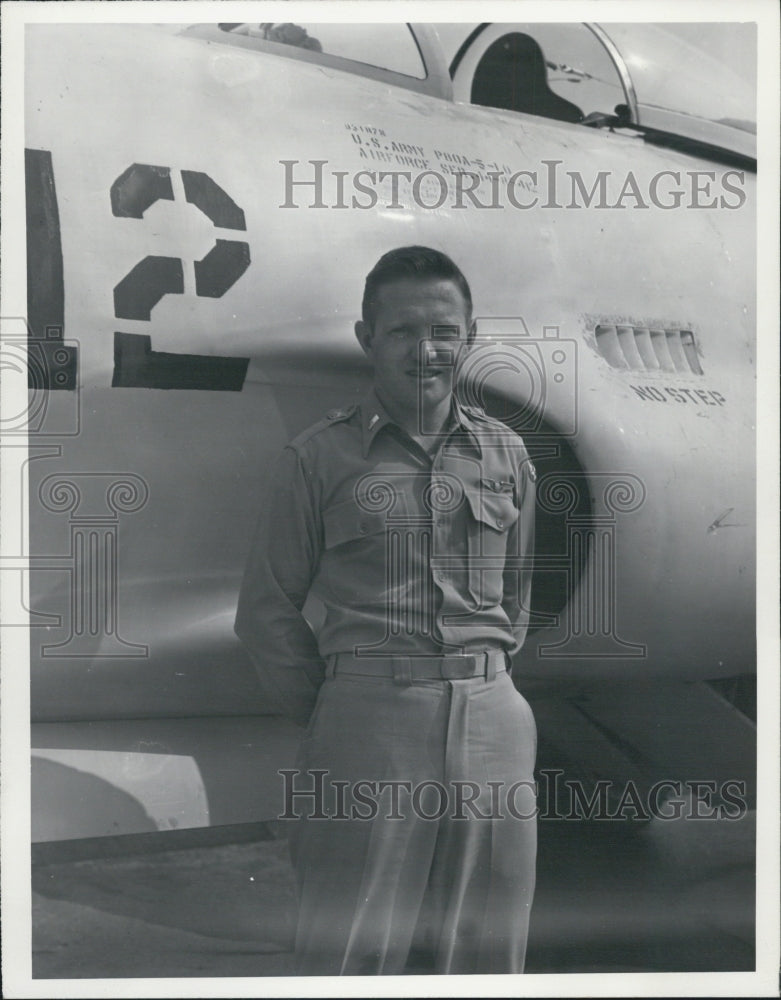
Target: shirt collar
{"points": [[374, 417], [468, 423]]}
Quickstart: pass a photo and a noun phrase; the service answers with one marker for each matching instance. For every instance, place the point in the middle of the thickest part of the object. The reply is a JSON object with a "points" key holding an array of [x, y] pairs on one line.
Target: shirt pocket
{"points": [[490, 517], [353, 559]]}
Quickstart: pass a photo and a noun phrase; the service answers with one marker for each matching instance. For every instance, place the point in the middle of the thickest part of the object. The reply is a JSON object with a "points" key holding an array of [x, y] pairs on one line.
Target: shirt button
{"points": [[362, 528], [441, 576], [499, 522]]}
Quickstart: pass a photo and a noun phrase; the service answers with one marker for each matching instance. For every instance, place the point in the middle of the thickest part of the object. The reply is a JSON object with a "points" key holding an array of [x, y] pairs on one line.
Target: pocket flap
{"points": [[496, 510], [348, 521]]}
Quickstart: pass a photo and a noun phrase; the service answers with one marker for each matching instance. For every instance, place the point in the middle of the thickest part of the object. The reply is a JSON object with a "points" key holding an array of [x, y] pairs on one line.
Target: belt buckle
{"points": [[457, 668]]}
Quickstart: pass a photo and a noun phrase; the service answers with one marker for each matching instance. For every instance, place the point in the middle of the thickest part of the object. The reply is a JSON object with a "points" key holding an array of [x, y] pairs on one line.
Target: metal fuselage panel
{"points": [[675, 563]]}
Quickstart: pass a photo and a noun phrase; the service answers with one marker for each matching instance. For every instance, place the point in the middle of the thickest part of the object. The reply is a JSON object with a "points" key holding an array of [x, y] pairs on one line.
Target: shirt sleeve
{"points": [[516, 600], [280, 567]]}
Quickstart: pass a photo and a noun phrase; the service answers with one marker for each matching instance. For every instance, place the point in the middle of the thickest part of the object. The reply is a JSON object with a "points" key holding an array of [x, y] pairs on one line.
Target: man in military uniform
{"points": [[411, 518]]}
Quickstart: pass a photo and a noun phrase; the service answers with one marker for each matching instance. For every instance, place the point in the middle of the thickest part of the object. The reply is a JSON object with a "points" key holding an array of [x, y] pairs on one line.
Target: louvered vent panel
{"points": [[648, 349]]}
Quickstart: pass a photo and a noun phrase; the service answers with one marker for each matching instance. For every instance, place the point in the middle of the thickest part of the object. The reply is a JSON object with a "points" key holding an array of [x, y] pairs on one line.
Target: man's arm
{"points": [[282, 561], [516, 599]]}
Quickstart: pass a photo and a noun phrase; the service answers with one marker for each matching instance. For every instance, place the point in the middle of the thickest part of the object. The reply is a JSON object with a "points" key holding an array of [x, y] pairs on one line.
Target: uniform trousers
{"points": [[383, 873]]}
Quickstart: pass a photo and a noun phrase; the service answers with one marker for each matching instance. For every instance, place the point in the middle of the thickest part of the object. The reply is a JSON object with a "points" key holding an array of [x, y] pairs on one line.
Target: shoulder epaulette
{"points": [[336, 416], [506, 432], [478, 413]]}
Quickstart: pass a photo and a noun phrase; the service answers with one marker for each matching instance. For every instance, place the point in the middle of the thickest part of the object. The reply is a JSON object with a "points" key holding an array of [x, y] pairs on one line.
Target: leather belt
{"points": [[406, 669]]}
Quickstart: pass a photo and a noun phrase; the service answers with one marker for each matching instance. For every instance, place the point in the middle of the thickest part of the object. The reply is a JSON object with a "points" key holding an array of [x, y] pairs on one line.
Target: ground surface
{"points": [[608, 899]]}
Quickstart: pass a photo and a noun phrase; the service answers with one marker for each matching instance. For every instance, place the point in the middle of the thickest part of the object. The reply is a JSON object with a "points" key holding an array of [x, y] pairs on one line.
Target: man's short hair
{"points": [[411, 262]]}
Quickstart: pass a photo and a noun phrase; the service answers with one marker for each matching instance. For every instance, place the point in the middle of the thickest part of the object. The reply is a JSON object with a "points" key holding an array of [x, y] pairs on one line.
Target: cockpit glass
{"points": [[385, 46], [705, 70], [693, 81]]}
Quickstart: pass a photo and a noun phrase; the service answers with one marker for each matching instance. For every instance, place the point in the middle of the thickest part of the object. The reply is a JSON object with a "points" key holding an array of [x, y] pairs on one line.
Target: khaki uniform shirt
{"points": [[410, 553]]}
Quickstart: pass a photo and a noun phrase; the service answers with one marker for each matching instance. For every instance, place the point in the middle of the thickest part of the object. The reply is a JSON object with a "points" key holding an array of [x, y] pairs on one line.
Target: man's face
{"points": [[407, 312]]}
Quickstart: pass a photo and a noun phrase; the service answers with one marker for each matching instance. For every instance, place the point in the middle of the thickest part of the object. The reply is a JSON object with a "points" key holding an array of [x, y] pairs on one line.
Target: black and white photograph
{"points": [[390, 499]]}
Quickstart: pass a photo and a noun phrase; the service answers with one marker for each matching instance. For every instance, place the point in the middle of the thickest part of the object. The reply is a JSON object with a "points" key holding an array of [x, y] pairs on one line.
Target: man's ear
{"points": [[363, 335]]}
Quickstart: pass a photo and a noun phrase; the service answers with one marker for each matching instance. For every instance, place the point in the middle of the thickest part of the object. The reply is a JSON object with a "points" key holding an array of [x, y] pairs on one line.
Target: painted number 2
{"points": [[136, 295]]}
